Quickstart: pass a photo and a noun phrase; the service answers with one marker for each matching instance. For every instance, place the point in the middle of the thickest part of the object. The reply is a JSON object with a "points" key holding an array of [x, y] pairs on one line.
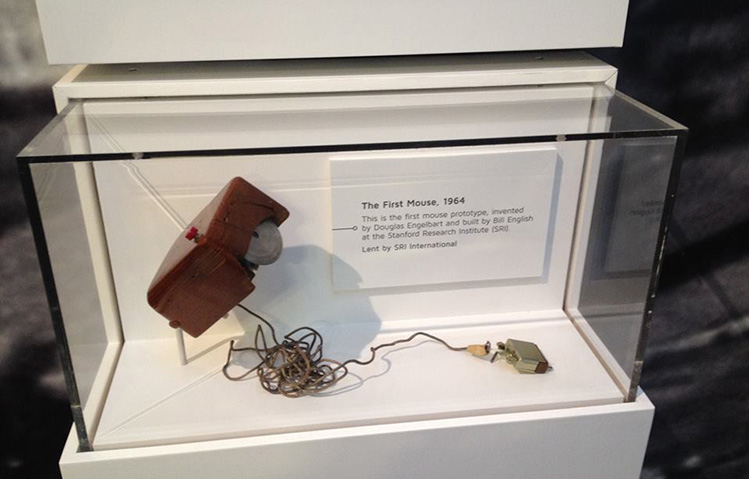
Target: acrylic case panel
{"points": [[111, 184], [620, 238]]}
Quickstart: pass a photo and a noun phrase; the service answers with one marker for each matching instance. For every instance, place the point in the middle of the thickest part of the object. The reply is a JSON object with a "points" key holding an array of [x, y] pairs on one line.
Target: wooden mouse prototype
{"points": [[210, 267]]}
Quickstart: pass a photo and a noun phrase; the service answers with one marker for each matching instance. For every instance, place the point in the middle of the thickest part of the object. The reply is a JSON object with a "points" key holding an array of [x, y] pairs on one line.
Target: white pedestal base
{"points": [[578, 443]]}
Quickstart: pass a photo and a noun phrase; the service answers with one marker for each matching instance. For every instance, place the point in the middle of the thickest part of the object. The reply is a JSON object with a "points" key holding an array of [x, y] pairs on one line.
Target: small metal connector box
{"points": [[525, 356]]}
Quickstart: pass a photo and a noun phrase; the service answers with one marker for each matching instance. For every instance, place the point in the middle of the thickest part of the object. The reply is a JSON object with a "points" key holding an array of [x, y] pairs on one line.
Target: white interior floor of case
{"points": [[154, 400]]}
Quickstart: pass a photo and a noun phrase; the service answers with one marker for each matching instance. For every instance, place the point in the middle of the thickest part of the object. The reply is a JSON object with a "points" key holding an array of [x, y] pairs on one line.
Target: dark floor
{"points": [[688, 59], [35, 412]]}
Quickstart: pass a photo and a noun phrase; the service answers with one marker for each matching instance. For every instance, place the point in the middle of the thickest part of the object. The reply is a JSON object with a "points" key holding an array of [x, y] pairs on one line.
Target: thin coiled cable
{"points": [[296, 366]]}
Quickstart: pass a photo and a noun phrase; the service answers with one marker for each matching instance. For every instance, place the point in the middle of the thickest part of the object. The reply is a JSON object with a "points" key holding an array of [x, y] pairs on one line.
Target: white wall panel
{"points": [[111, 31]]}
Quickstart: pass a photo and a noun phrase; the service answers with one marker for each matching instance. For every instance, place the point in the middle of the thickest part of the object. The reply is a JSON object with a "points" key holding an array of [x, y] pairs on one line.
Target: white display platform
{"points": [[154, 400], [576, 443]]}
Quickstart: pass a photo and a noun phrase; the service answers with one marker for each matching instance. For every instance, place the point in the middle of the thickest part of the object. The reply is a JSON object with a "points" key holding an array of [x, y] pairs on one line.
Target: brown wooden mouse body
{"points": [[203, 276]]}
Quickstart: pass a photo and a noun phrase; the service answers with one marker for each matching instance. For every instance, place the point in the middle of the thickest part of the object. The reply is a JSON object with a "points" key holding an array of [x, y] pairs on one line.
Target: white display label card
{"points": [[412, 219], [639, 206]]}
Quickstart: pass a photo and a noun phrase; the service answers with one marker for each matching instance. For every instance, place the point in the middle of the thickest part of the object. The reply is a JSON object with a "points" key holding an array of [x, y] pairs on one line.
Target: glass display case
{"points": [[530, 213]]}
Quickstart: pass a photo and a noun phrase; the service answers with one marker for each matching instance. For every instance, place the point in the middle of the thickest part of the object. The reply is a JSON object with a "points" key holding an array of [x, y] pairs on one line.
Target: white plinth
{"points": [[576, 443]]}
